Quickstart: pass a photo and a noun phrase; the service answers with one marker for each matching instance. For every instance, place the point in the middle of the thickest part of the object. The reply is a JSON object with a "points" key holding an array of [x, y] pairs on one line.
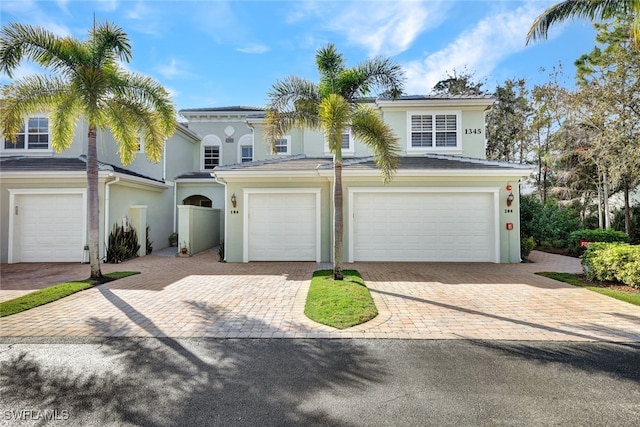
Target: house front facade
{"points": [[218, 181], [446, 202]]}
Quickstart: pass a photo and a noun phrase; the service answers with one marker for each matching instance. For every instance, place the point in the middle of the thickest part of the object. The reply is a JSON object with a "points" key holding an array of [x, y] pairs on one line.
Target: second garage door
{"points": [[423, 226], [283, 226]]}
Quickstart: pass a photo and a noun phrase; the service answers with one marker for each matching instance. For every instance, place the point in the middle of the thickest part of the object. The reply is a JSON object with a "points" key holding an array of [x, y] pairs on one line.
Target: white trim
{"points": [[496, 205], [434, 113], [245, 217], [26, 191]]}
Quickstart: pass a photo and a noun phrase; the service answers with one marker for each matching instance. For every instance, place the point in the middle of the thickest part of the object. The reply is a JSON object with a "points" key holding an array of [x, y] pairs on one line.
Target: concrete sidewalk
{"points": [[200, 297]]}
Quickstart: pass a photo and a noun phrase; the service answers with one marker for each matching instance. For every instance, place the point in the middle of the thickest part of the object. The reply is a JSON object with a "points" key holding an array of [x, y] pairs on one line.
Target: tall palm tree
{"points": [[332, 106], [87, 81], [594, 10]]}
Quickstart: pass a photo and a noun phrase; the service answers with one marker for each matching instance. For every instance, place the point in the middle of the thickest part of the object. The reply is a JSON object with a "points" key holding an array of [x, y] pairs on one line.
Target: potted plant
{"points": [[184, 250], [173, 239]]}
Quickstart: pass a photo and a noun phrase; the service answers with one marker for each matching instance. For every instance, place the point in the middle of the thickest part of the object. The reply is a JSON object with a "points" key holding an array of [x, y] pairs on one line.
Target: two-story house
{"points": [[218, 181], [445, 203]]}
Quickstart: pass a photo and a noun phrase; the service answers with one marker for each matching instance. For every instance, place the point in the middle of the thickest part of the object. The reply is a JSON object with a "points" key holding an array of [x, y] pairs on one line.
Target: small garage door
{"points": [[282, 227], [422, 226], [49, 228]]}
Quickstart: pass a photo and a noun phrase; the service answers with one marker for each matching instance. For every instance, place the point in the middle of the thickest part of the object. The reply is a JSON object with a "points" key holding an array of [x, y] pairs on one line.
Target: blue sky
{"points": [[223, 53]]}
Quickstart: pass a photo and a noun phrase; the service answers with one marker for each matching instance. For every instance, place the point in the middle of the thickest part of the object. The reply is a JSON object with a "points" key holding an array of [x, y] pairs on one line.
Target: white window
{"points": [[210, 152], [246, 153], [33, 136], [434, 130], [283, 145], [211, 156], [346, 143]]}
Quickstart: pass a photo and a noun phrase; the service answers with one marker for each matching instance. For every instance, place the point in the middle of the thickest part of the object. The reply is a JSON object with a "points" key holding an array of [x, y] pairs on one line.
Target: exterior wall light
{"points": [[234, 201], [510, 199]]}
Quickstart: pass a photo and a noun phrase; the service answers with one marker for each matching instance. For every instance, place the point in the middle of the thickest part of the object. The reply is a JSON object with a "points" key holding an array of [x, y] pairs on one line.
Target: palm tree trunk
{"points": [[338, 220], [94, 203]]}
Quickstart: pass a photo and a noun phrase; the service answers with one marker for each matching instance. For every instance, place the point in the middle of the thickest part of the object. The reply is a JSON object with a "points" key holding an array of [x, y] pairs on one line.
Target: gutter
{"points": [[224, 184], [107, 195]]}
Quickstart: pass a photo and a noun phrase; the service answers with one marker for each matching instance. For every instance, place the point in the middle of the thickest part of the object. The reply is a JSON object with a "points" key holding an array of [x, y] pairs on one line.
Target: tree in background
{"points": [[507, 123], [333, 105], [609, 95], [88, 82], [594, 10], [463, 84]]}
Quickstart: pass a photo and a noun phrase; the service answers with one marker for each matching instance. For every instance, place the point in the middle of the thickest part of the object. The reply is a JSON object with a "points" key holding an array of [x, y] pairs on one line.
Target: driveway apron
{"points": [[201, 297]]}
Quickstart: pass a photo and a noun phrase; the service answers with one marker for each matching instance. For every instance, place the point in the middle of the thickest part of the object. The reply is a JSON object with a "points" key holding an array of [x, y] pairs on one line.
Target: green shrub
{"points": [[618, 223], [123, 245], [527, 244], [612, 262], [149, 242], [597, 235], [549, 224]]}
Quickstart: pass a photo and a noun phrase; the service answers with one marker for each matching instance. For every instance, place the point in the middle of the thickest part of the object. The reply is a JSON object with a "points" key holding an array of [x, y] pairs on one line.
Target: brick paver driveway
{"points": [[200, 297]]}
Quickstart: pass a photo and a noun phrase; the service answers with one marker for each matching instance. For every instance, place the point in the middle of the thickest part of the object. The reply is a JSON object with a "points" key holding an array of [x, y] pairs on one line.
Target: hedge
{"points": [[596, 235], [612, 262]]}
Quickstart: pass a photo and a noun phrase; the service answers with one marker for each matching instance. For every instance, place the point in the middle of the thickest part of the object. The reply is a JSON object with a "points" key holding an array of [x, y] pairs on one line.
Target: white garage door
{"points": [[49, 228], [282, 227], [419, 226]]}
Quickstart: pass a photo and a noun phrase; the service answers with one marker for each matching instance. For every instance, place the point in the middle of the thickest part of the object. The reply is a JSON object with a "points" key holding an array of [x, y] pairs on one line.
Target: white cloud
{"points": [[254, 48], [387, 28], [479, 49], [171, 70]]}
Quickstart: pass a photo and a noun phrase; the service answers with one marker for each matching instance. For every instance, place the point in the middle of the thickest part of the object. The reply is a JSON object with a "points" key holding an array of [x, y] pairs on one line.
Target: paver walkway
{"points": [[200, 297]]}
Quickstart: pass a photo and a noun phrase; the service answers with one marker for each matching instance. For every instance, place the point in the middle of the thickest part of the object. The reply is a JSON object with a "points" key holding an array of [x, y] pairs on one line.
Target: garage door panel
{"points": [[49, 227], [423, 226], [282, 227]]}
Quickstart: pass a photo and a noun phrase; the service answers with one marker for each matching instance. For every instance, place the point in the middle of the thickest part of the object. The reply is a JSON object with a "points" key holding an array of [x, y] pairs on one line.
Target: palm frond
{"points": [[122, 119], [334, 113], [25, 96], [330, 64], [18, 42], [368, 127], [109, 42], [63, 118], [381, 73], [285, 94], [593, 10]]}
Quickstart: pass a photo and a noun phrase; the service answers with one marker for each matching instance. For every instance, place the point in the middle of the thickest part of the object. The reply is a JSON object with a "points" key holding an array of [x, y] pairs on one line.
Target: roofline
{"points": [[435, 102]]}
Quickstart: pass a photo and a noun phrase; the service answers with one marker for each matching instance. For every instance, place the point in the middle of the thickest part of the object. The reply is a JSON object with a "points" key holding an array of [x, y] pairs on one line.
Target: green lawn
{"points": [[53, 293], [339, 303], [574, 280]]}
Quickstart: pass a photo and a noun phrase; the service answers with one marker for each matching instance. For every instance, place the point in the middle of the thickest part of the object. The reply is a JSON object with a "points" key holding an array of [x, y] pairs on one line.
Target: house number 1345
{"points": [[473, 131]]}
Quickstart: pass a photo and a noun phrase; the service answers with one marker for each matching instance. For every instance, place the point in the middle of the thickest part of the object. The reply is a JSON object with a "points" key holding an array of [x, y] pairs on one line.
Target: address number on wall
{"points": [[475, 131]]}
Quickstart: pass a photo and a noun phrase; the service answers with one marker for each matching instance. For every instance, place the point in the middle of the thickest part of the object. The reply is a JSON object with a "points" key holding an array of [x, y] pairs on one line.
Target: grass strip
{"points": [[53, 293], [339, 303], [572, 279]]}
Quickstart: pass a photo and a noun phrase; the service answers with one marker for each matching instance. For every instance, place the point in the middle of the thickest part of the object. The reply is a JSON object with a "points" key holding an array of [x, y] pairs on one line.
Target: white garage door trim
{"points": [[247, 192], [12, 256], [491, 190]]}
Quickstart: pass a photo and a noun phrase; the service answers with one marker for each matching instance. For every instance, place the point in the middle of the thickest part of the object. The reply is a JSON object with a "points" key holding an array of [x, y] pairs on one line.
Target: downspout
{"points": [[175, 206], [107, 196], [224, 184], [164, 161]]}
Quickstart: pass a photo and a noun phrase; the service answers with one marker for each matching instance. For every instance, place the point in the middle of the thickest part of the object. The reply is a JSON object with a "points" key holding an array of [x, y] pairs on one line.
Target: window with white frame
{"points": [[346, 142], [246, 153], [283, 145], [430, 130], [33, 136], [211, 156]]}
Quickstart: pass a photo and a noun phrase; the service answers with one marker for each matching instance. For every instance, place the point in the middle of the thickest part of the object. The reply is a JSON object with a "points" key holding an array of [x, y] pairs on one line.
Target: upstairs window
{"points": [[33, 136], [246, 153], [283, 145], [211, 156], [434, 130]]}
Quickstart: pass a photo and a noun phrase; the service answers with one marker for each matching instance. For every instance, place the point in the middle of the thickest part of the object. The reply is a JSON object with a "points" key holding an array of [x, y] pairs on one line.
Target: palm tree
{"points": [[600, 10], [333, 105], [85, 80]]}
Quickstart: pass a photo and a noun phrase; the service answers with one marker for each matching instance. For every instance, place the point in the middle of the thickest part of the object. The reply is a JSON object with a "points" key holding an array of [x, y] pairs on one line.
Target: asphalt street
{"points": [[254, 382]]}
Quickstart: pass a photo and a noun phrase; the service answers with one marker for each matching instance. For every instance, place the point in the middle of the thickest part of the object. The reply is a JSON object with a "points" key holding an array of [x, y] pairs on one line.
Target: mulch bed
{"points": [[609, 285]]}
